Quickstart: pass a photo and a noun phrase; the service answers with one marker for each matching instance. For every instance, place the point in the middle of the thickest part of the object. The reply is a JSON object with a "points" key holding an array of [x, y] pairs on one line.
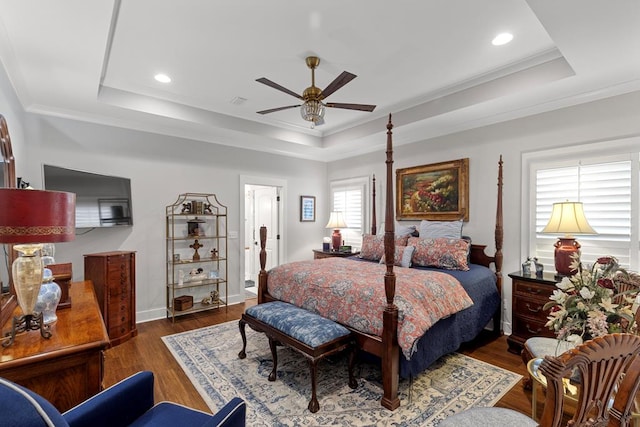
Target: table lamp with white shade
{"points": [[568, 219], [336, 222]]}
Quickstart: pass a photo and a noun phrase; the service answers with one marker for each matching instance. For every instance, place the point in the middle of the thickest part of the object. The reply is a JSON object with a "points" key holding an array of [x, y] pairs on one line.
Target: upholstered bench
{"points": [[303, 331]]}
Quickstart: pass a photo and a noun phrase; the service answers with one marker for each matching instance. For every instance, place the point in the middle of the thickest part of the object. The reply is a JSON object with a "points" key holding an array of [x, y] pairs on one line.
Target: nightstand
{"points": [[529, 295], [319, 254]]}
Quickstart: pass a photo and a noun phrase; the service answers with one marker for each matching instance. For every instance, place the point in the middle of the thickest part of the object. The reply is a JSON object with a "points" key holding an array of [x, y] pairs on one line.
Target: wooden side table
{"points": [[319, 254], [67, 368], [529, 294]]}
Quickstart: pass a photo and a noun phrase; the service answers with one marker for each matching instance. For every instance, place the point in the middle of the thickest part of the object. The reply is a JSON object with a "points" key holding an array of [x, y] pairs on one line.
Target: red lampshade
{"points": [[36, 216]]}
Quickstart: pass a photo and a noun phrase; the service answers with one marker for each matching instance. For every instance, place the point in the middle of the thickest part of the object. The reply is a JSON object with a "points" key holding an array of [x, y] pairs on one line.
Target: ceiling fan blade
{"points": [[339, 81], [273, 110], [361, 107], [269, 83]]}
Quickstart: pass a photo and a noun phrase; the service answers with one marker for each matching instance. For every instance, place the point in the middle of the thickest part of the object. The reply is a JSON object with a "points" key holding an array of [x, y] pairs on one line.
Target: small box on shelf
{"points": [[183, 302]]}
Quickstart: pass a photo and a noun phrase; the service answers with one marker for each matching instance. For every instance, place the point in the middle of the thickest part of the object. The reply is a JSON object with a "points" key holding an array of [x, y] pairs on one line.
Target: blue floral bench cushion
{"points": [[300, 324]]}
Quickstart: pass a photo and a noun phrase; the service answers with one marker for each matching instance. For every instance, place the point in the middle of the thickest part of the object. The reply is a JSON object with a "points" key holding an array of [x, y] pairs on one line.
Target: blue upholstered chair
{"points": [[128, 403]]}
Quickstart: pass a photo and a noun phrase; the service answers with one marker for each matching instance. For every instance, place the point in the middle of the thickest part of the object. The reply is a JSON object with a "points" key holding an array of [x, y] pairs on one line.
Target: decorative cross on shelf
{"points": [[195, 246]]}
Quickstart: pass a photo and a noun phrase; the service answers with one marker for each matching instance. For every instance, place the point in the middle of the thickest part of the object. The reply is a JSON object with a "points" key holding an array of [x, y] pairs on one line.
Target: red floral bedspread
{"points": [[352, 293]]}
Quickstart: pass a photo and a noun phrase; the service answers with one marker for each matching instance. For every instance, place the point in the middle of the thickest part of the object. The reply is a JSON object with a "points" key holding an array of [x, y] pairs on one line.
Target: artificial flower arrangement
{"points": [[593, 302]]}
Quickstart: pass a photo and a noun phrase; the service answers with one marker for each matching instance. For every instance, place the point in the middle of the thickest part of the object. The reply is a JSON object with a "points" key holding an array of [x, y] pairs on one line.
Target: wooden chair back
{"points": [[609, 378], [626, 284]]}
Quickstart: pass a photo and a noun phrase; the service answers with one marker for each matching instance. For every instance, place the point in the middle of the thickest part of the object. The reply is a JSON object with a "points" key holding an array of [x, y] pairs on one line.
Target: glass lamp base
{"points": [[28, 322]]}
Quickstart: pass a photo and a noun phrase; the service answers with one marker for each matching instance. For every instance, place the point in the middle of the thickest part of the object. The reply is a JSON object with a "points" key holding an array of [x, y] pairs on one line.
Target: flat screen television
{"points": [[101, 200]]}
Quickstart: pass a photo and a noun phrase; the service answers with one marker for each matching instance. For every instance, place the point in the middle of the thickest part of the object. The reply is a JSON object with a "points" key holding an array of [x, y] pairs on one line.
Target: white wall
{"points": [[608, 119], [160, 168]]}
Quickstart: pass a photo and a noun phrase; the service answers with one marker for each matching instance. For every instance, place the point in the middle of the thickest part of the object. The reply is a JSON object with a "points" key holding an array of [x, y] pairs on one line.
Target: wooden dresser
{"points": [[67, 368], [114, 277], [529, 295]]}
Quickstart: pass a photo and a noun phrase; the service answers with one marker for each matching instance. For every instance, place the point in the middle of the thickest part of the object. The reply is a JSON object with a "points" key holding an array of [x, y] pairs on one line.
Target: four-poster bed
{"points": [[387, 341]]}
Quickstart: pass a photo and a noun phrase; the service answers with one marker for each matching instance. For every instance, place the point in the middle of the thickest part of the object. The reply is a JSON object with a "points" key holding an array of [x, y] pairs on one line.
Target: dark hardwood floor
{"points": [[147, 352]]}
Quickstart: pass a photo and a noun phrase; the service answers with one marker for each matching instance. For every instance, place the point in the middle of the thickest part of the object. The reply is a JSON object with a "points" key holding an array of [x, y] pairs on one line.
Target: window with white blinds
{"points": [[349, 197], [606, 190]]}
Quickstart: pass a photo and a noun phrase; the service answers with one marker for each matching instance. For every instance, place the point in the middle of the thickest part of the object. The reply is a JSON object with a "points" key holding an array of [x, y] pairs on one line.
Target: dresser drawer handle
{"points": [[533, 291], [532, 331], [533, 310]]}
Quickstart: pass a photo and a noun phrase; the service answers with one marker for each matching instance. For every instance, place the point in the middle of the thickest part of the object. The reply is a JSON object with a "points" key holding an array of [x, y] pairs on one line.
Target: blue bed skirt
{"points": [[448, 334]]}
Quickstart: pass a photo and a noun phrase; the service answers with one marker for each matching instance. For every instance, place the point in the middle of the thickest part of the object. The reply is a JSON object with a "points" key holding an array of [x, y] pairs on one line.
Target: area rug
{"points": [[209, 357]]}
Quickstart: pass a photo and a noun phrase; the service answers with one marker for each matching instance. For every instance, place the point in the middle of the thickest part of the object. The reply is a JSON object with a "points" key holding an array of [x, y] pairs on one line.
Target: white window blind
{"points": [[605, 189], [349, 197]]}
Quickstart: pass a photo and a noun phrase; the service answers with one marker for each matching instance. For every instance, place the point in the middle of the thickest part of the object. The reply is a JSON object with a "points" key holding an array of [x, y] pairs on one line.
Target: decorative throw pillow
{"points": [[450, 254], [373, 246], [436, 229], [403, 230], [402, 256]]}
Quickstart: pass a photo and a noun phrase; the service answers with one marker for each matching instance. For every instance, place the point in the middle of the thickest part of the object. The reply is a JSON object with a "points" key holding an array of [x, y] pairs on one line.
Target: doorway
{"points": [[262, 206]]}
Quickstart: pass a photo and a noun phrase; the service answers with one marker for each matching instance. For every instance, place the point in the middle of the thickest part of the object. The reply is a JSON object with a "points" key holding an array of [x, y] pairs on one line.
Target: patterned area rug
{"points": [[209, 357]]}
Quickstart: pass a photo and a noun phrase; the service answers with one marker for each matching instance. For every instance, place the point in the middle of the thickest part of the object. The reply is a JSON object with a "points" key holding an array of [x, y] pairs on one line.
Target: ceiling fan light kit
{"points": [[313, 109]]}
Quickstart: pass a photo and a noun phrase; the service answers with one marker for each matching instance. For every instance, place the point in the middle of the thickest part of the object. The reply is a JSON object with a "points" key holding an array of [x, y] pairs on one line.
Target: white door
{"points": [[265, 213]]}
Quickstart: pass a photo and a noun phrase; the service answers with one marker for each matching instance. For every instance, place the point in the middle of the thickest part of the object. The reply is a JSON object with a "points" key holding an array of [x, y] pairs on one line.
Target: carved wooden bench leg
{"points": [[353, 383], [241, 325], [313, 403], [274, 354]]}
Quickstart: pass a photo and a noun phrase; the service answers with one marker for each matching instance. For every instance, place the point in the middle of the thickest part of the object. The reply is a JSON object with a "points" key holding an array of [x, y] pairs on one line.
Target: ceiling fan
{"points": [[312, 109]]}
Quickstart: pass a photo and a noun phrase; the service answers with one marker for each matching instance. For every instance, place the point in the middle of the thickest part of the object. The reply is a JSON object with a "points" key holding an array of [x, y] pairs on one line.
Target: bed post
{"points": [[390, 347], [499, 233], [374, 227], [262, 275], [499, 237]]}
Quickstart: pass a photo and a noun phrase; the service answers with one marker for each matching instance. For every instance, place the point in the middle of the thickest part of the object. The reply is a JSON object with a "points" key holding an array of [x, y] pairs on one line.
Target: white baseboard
{"points": [[161, 312]]}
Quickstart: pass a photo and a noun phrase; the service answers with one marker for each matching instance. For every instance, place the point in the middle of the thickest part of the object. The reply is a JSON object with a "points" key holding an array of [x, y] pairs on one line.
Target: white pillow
{"points": [[438, 229], [403, 230]]}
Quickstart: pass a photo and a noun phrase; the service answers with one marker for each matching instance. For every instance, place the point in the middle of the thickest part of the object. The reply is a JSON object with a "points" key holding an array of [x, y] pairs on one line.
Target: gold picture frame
{"points": [[439, 191]]}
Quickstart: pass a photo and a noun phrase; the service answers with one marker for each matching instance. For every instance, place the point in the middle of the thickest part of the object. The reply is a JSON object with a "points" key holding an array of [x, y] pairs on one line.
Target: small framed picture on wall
{"points": [[307, 208]]}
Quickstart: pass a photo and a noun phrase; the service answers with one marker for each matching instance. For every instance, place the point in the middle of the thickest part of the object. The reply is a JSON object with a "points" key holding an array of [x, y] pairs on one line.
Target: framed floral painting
{"points": [[439, 191]]}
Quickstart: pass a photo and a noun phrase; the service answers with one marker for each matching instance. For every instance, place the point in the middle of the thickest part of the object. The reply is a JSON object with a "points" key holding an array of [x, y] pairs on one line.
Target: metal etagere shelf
{"points": [[196, 254]]}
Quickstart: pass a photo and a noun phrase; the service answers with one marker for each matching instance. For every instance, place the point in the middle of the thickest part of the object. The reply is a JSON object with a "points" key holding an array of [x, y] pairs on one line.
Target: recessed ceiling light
{"points": [[502, 38], [162, 78]]}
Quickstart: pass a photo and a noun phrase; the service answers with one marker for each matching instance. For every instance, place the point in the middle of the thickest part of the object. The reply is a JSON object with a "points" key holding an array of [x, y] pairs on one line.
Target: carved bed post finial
{"points": [[374, 228]]}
